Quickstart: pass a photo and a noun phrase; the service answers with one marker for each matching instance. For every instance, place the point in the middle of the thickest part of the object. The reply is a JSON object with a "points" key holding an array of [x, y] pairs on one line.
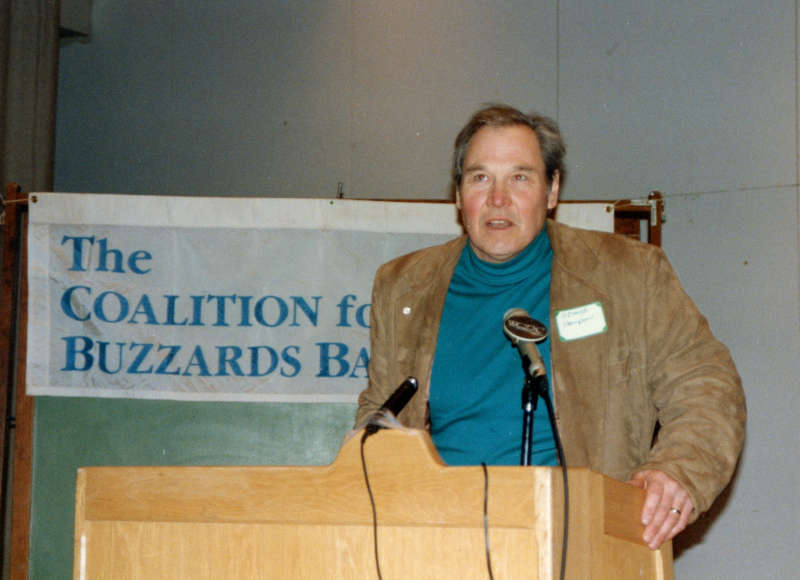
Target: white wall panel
{"points": [[202, 98], [679, 96], [422, 68], [736, 254]]}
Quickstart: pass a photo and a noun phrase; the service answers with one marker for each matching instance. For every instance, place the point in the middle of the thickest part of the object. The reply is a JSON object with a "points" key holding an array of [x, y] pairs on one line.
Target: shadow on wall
{"points": [[694, 534]]}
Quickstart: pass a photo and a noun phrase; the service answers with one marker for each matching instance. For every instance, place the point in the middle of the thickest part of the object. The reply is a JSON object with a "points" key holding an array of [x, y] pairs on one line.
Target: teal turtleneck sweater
{"points": [[477, 379]]}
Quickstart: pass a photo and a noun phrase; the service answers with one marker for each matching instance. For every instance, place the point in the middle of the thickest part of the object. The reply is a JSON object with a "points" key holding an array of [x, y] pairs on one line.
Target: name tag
{"points": [[580, 322]]}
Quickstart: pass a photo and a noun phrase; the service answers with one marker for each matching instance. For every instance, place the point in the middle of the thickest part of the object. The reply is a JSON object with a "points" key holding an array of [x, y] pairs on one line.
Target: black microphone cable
{"points": [[394, 404], [563, 463], [486, 519], [375, 512], [366, 434]]}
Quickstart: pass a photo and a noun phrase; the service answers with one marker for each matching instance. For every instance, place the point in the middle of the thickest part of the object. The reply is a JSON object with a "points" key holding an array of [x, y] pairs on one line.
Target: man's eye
{"points": [[479, 177], [521, 177]]}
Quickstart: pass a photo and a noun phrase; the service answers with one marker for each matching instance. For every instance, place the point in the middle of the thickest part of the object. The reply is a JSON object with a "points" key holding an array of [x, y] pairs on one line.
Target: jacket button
{"points": [[406, 310]]}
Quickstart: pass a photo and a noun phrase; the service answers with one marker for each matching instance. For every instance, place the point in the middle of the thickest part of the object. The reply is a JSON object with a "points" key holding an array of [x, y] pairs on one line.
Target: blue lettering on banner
{"points": [[83, 354], [269, 311], [334, 354], [361, 314], [104, 256], [109, 304]]}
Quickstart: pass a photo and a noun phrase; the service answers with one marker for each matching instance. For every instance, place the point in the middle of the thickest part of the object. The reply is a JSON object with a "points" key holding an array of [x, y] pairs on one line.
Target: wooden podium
{"points": [[289, 522]]}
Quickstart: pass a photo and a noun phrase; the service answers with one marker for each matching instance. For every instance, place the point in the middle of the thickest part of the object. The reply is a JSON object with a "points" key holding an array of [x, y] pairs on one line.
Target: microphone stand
{"points": [[535, 386], [524, 332], [529, 400]]}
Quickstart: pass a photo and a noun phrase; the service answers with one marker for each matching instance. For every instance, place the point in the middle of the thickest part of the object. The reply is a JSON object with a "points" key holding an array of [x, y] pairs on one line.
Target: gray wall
{"points": [[695, 99]]}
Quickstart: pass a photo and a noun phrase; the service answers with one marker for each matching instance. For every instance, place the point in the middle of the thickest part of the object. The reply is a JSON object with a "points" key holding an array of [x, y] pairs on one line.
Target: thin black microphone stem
{"points": [[528, 408], [534, 387]]}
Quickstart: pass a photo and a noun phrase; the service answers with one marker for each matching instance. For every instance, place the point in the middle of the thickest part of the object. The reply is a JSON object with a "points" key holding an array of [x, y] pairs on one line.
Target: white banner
{"points": [[230, 299], [210, 298]]}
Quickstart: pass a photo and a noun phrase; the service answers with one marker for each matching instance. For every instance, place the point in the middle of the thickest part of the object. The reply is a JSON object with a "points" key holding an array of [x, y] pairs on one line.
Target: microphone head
{"points": [[518, 325]]}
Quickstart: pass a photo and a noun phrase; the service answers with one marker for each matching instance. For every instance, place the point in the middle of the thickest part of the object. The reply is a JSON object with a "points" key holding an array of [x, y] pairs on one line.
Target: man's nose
{"points": [[499, 196]]}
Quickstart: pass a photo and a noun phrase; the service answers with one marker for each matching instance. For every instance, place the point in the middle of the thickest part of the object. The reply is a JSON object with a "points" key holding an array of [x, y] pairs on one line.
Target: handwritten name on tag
{"points": [[580, 322]]}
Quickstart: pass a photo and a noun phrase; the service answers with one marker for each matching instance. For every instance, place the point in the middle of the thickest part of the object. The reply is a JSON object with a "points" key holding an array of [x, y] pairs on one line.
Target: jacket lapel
{"points": [[418, 313]]}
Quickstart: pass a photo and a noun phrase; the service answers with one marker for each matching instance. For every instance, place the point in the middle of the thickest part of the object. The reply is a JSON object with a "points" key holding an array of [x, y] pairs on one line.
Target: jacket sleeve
{"points": [[695, 388]]}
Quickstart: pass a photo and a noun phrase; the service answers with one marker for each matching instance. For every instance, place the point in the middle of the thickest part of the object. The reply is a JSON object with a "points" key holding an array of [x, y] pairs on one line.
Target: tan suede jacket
{"points": [[657, 361]]}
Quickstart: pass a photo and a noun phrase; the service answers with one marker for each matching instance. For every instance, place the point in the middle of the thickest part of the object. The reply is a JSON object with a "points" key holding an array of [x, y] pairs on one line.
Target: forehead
{"points": [[514, 144]]}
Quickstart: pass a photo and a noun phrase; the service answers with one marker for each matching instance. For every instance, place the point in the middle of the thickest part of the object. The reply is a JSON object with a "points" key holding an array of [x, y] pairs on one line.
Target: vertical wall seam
{"points": [[348, 178], [558, 62], [796, 88]]}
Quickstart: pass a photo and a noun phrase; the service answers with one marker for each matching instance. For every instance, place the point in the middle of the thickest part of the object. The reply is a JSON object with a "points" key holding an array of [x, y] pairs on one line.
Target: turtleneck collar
{"points": [[538, 252]]}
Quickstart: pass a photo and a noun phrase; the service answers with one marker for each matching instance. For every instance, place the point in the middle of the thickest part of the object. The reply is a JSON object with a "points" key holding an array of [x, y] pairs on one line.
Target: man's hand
{"points": [[667, 506]]}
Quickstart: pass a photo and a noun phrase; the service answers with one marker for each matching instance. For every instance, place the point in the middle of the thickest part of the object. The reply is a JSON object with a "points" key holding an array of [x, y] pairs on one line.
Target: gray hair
{"points": [[550, 141]]}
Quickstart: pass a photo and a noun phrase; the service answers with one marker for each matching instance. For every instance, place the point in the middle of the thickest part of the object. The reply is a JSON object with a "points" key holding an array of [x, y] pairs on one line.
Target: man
{"points": [[647, 357]]}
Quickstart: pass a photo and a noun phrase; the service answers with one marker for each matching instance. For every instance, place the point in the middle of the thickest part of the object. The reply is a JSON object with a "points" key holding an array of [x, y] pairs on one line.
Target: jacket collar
{"points": [[432, 273], [571, 252], [574, 258]]}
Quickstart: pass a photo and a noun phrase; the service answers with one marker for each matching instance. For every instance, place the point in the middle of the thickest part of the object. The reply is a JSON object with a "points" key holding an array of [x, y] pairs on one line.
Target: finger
{"points": [[665, 497], [652, 501], [684, 513], [675, 522], [675, 517], [657, 516]]}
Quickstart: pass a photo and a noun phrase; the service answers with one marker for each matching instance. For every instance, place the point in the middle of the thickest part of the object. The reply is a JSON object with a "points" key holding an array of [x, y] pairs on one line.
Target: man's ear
{"points": [[552, 196], [458, 198]]}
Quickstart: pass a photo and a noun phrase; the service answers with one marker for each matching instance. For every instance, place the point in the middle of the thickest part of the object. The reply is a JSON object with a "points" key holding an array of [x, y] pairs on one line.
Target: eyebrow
{"points": [[482, 167], [471, 168]]}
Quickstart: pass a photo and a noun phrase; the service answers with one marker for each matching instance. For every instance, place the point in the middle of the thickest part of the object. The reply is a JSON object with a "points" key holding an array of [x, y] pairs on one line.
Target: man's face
{"points": [[504, 196]]}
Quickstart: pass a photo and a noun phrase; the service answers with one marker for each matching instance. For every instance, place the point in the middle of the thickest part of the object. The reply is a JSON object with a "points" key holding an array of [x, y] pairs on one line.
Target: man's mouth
{"points": [[498, 223]]}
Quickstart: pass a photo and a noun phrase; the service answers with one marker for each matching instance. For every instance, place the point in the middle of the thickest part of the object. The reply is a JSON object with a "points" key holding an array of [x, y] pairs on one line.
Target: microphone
{"points": [[524, 332], [401, 396], [394, 404]]}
